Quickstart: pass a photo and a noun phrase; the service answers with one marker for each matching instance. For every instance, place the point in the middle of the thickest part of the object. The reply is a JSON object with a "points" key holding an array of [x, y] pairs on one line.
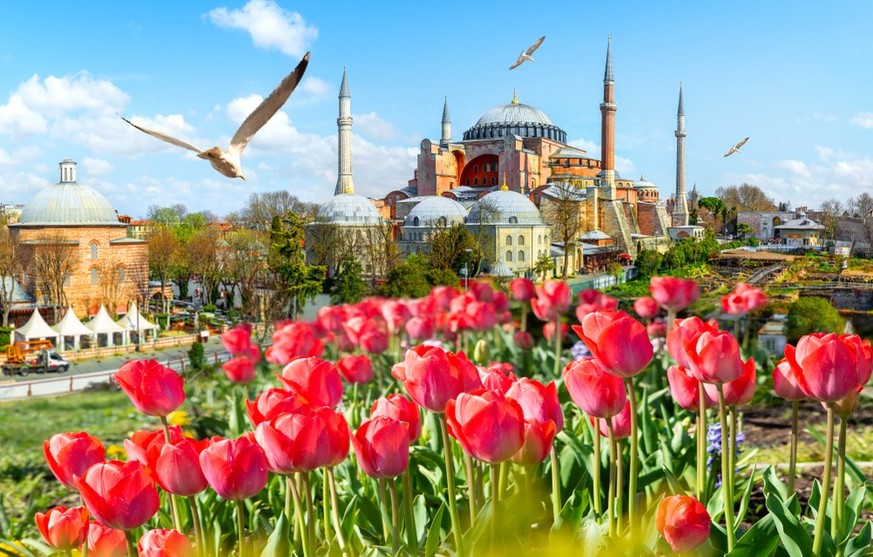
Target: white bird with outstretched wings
{"points": [[736, 148], [525, 55]]}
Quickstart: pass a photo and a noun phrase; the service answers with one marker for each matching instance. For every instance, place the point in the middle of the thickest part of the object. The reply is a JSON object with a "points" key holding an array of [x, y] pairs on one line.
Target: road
{"points": [[86, 372]]}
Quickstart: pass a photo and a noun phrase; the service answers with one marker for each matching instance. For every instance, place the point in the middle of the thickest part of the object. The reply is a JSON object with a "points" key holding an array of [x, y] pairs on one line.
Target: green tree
{"points": [[543, 266], [348, 286], [454, 247], [409, 279], [744, 230], [812, 315], [295, 281]]}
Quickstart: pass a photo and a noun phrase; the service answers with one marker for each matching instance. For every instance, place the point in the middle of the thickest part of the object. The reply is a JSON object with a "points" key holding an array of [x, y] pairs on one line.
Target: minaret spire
{"points": [[344, 182], [607, 128], [680, 208], [447, 125]]}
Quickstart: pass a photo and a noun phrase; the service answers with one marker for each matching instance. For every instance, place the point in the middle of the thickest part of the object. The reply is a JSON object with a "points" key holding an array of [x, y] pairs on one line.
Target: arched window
{"points": [[508, 240], [520, 240], [521, 260], [94, 250], [442, 222], [513, 220], [493, 181], [508, 256], [540, 239], [475, 181], [415, 221], [95, 276]]}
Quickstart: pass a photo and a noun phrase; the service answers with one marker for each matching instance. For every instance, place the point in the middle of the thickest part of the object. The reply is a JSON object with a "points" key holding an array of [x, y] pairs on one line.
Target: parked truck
{"points": [[38, 356]]}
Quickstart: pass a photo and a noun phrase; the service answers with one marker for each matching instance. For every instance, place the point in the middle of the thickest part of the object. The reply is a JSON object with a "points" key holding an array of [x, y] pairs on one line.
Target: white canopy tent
{"points": [[133, 321], [70, 326], [36, 328], [102, 324]]}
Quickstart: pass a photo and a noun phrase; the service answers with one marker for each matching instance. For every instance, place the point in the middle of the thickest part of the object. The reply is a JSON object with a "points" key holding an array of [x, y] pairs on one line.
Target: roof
{"points": [[430, 209], [564, 191], [102, 323], [69, 203], [349, 209], [70, 325], [799, 224], [517, 113], [569, 153], [504, 207], [36, 327], [595, 235], [19, 295], [126, 240], [642, 183], [133, 320], [500, 269]]}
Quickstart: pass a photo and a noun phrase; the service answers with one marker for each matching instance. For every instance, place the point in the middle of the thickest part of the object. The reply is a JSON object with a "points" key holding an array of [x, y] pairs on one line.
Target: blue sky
{"points": [[794, 76]]}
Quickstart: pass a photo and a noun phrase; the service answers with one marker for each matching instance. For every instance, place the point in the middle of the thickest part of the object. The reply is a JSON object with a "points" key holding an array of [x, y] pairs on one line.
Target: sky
{"points": [[793, 76]]}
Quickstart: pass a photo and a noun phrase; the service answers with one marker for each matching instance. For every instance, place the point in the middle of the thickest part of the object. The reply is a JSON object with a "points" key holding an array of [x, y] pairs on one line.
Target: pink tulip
{"points": [[355, 369], [739, 391], [235, 468], [119, 495], [538, 439], [317, 379], [176, 466], [272, 402], [617, 341], [785, 383], [549, 331], [154, 389], [674, 294], [400, 408], [538, 402], [71, 454], [420, 328], [743, 299], [292, 340], [714, 357], [596, 391], [162, 542], [239, 369], [621, 426], [382, 447], [646, 307], [522, 289], [305, 441], [829, 367], [552, 300], [488, 426], [685, 389], [433, 376], [685, 333]]}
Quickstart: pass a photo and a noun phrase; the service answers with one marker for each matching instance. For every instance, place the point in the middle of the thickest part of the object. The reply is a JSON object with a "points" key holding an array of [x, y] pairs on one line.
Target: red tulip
{"points": [[674, 294], [382, 447], [538, 439], [500, 301], [621, 427], [62, 528], [293, 340], [481, 315], [366, 333], [141, 441], [176, 466], [549, 331], [395, 313], [743, 299], [686, 389], [235, 468], [495, 379], [522, 289], [617, 341], [400, 408], [331, 317], [154, 389], [596, 391], [105, 542], [828, 367], [657, 330], [523, 340], [685, 333], [538, 402], [552, 300], [303, 442], [317, 379], [785, 383], [714, 357], [433, 376], [683, 522], [488, 426], [646, 307], [164, 543], [238, 341], [120, 495], [355, 369], [239, 369], [420, 328], [481, 290], [71, 454], [592, 300], [739, 391], [272, 402]]}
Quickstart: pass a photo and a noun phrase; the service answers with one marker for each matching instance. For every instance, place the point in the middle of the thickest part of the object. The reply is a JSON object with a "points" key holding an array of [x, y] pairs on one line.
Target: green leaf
{"points": [[419, 510], [852, 512], [278, 544], [759, 541], [433, 533], [860, 545], [795, 539], [773, 485], [744, 501]]}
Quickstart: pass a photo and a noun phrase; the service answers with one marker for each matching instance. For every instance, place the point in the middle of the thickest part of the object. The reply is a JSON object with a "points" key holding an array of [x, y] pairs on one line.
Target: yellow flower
{"points": [[116, 452], [179, 418]]}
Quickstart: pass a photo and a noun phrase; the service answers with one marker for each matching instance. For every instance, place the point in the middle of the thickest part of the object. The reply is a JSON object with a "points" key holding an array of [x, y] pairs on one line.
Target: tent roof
{"points": [[134, 320], [102, 323], [36, 327], [70, 325]]}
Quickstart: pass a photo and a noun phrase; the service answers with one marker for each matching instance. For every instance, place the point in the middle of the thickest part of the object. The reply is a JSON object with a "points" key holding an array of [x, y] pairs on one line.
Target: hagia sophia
{"points": [[500, 179]]}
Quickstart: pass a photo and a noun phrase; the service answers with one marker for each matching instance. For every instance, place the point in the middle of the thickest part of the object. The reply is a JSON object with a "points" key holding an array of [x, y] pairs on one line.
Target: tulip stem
{"points": [[335, 510], [471, 488], [726, 472], [299, 525], [701, 442], [610, 502], [241, 526], [325, 507], [495, 501], [383, 509], [598, 507], [837, 519], [732, 448], [792, 457], [634, 458], [310, 509], [557, 333], [195, 518], [411, 538], [504, 480], [671, 318], [450, 481], [131, 543], [556, 483], [619, 486], [825, 484], [524, 316], [395, 517]]}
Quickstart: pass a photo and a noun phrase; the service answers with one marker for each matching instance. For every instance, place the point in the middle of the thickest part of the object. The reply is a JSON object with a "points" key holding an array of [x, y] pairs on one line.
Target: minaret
{"points": [[607, 127], [344, 182], [680, 208], [447, 125], [68, 171]]}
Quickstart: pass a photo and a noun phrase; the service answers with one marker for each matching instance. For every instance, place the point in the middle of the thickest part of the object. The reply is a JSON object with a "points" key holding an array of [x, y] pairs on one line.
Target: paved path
{"points": [[86, 372]]}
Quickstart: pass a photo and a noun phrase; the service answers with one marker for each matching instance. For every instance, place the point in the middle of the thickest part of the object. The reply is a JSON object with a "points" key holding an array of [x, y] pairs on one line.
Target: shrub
{"points": [[196, 356], [812, 314]]}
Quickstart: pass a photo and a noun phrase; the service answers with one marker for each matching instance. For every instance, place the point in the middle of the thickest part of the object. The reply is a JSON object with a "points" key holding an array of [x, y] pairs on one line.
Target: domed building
{"points": [[74, 251], [429, 216]]}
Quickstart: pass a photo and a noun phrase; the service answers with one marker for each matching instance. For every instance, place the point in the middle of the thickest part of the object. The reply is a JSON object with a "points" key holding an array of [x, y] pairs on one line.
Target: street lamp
{"points": [[466, 271]]}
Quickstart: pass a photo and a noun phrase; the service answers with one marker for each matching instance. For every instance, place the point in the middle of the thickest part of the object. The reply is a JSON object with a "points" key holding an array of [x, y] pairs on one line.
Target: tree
{"points": [[246, 256], [113, 279], [811, 314], [649, 262], [49, 260], [205, 259], [744, 230], [9, 266], [262, 207], [561, 209], [348, 286], [745, 197], [164, 249], [831, 211], [863, 205], [408, 279], [295, 282], [454, 248], [543, 266]]}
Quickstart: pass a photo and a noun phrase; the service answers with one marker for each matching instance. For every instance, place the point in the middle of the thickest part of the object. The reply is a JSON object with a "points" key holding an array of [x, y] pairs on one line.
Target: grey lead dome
{"points": [[68, 203], [349, 208]]}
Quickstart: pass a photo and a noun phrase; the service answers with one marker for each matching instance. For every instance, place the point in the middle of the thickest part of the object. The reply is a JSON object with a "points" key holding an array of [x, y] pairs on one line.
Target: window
{"points": [[475, 181], [508, 240], [520, 240], [68, 279], [95, 277], [441, 222], [475, 169], [521, 260], [508, 256], [94, 250], [415, 221], [540, 239], [122, 274], [513, 220], [493, 181]]}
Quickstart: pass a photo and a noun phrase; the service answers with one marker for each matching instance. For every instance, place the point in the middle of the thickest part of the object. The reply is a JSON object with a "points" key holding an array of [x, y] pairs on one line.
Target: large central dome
{"points": [[517, 119], [69, 203]]}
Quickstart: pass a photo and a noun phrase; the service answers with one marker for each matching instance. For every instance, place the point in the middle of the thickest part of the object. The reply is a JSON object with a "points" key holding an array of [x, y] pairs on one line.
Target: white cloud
{"points": [[270, 26], [373, 125], [96, 167], [797, 168], [863, 119], [315, 86]]}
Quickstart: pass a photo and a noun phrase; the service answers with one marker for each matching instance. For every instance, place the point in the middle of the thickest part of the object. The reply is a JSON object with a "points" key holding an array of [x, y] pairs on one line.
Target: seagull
{"points": [[227, 162], [736, 148], [525, 55]]}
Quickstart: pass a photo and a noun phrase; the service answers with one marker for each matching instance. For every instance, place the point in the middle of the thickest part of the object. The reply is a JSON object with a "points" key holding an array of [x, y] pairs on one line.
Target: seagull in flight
{"points": [[227, 161], [736, 148], [525, 55]]}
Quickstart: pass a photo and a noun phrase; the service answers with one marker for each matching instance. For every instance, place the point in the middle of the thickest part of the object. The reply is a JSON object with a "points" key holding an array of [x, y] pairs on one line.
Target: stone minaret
{"points": [[607, 128], [680, 209], [447, 126], [344, 182], [68, 171]]}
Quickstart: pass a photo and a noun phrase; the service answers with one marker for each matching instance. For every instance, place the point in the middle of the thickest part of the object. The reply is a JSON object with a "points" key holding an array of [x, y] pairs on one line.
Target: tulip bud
{"points": [[683, 522], [481, 353]]}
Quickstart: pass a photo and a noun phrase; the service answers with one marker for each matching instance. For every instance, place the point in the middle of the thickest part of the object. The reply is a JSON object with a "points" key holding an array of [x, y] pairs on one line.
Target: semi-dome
{"points": [[642, 183], [349, 209], [504, 207], [69, 203], [517, 119], [436, 210]]}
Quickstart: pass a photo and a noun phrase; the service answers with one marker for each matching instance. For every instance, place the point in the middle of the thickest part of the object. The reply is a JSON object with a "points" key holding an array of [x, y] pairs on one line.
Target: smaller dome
{"points": [[431, 209], [504, 207], [349, 209], [642, 183]]}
